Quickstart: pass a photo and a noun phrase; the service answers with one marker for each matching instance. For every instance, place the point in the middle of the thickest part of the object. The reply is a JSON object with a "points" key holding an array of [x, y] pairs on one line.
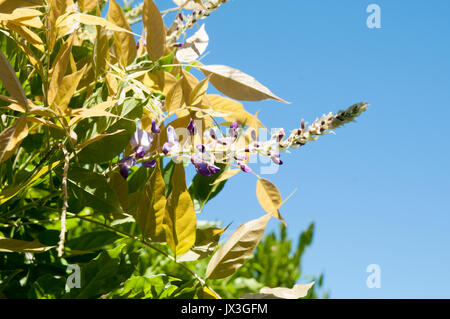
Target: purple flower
{"points": [[276, 158], [279, 135], [201, 148], [141, 142], [172, 141], [233, 130], [125, 164], [192, 128], [213, 169], [178, 44], [155, 128], [245, 168], [150, 164], [203, 168]]}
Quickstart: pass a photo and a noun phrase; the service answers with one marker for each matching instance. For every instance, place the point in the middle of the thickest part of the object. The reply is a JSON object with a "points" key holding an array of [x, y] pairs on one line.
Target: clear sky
{"points": [[378, 190]]}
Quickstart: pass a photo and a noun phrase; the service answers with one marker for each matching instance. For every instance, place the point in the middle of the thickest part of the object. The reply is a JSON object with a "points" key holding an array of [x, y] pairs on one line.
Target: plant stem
{"points": [[143, 241]]}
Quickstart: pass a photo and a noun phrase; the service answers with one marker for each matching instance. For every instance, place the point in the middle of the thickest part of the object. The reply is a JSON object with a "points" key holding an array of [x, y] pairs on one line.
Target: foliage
{"points": [[96, 133]]}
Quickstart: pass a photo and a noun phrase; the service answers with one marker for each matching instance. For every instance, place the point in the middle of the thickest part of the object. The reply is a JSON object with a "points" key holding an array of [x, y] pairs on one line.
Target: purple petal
{"points": [[155, 128], [192, 128], [166, 148], [140, 152], [171, 135], [124, 171], [213, 169], [150, 164], [234, 125], [245, 168]]}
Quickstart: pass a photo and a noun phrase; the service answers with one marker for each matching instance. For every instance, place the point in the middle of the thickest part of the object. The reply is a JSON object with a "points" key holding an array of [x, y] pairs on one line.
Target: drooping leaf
{"points": [[241, 244], [59, 69], [206, 293], [120, 187], [11, 83], [269, 197], [123, 42], [174, 98], [152, 206], [155, 30], [67, 88], [199, 91], [11, 138], [180, 219], [236, 84], [10, 192], [21, 246], [194, 46], [100, 53]]}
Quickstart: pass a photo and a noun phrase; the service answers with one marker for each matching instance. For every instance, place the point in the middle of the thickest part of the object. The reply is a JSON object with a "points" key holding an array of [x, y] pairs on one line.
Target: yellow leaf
{"points": [[11, 83], [269, 197], [228, 174], [21, 246], [120, 187], [67, 88], [152, 206], [206, 240], [10, 192], [180, 219], [193, 47], [236, 84], [88, 5], [174, 98], [27, 34], [199, 91], [100, 52], [155, 30], [59, 69], [234, 109], [98, 110], [206, 293], [298, 291], [8, 6], [11, 138], [241, 244], [57, 8], [89, 19], [123, 42], [159, 82], [24, 16]]}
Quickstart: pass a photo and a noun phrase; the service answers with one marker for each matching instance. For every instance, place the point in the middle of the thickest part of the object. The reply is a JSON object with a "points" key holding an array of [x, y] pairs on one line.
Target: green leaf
{"points": [[47, 287], [111, 145], [103, 274], [202, 188], [93, 240], [93, 191]]}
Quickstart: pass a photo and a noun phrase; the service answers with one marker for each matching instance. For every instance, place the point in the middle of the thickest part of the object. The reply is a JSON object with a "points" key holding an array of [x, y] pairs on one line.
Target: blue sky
{"points": [[378, 189]]}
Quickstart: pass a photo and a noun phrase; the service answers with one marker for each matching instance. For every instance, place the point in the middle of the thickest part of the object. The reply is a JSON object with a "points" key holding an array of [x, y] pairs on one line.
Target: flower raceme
{"points": [[217, 147]]}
